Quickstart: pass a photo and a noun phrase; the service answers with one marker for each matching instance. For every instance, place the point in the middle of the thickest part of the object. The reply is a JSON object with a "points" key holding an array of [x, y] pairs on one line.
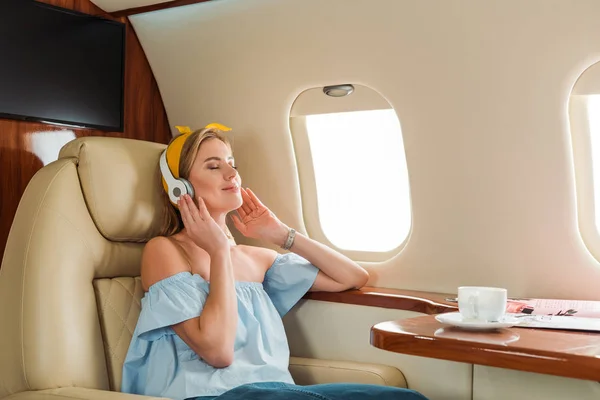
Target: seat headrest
{"points": [[120, 181]]}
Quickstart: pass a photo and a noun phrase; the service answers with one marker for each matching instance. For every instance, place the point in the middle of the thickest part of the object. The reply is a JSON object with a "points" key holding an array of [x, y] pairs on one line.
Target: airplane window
{"points": [[361, 179], [594, 124], [584, 124]]}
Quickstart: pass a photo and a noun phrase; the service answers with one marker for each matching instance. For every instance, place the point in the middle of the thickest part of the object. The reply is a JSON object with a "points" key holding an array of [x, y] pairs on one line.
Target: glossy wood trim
{"points": [[554, 352], [155, 7], [409, 300], [83, 6]]}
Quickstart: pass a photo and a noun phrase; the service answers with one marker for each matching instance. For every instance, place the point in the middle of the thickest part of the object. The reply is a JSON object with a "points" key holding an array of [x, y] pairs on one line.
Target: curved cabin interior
{"points": [[439, 144]]}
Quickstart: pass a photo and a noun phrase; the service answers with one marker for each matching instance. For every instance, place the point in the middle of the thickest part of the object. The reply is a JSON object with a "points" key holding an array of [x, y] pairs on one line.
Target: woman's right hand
{"points": [[201, 227]]}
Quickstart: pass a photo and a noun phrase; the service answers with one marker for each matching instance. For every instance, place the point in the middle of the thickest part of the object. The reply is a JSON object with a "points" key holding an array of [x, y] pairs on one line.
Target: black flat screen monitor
{"points": [[60, 66]]}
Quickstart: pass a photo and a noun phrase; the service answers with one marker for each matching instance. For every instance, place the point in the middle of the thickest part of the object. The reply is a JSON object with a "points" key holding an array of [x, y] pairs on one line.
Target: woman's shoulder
{"points": [[161, 259], [262, 256]]}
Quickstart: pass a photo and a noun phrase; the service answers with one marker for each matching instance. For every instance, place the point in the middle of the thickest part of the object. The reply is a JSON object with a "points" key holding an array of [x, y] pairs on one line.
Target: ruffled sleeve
{"points": [[288, 279], [170, 301]]}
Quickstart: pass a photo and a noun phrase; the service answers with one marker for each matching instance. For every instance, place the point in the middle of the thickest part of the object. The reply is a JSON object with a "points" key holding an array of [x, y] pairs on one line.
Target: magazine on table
{"points": [[559, 322], [554, 313]]}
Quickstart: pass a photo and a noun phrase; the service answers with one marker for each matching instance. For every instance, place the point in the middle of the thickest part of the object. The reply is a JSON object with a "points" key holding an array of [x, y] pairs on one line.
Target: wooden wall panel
{"points": [[155, 7], [20, 153], [84, 6]]}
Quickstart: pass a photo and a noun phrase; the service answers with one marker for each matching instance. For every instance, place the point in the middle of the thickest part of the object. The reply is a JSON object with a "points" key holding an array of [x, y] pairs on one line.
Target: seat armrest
{"points": [[311, 371], [75, 393], [305, 371]]}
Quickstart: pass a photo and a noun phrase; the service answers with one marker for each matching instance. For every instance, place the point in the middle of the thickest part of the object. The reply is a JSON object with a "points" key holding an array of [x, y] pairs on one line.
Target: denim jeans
{"points": [[328, 391]]}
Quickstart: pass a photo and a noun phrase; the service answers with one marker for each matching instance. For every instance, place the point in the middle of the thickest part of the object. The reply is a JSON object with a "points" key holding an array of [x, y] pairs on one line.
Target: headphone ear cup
{"points": [[189, 187]]}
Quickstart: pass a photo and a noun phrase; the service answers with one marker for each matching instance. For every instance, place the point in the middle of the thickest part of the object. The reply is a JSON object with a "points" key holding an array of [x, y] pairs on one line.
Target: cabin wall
{"points": [[481, 90], [333, 331], [26, 147]]}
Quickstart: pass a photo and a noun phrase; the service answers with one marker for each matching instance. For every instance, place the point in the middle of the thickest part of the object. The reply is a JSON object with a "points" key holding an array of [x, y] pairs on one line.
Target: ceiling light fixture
{"points": [[338, 90]]}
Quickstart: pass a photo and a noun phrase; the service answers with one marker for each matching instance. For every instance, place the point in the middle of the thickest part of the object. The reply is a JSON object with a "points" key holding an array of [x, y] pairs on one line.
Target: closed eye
{"points": [[213, 166], [217, 167]]}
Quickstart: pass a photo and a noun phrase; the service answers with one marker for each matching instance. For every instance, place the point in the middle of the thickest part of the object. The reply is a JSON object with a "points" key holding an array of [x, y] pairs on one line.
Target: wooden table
{"points": [[554, 352]]}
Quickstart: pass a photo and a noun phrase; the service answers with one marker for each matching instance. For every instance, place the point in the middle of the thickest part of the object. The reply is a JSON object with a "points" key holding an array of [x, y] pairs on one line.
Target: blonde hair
{"points": [[171, 216]]}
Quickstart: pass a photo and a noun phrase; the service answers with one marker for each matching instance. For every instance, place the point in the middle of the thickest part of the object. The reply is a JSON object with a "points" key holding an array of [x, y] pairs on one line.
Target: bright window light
{"points": [[46, 145], [361, 179], [594, 121]]}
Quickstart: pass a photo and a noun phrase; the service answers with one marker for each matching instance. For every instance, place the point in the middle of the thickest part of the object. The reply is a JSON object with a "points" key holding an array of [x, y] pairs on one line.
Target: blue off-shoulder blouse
{"points": [[159, 363]]}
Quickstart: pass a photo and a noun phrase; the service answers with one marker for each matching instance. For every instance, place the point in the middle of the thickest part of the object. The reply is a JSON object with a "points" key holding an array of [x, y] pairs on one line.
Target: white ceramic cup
{"points": [[478, 303]]}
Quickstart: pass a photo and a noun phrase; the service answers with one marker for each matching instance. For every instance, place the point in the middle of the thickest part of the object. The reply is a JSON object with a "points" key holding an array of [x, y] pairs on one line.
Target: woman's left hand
{"points": [[257, 221]]}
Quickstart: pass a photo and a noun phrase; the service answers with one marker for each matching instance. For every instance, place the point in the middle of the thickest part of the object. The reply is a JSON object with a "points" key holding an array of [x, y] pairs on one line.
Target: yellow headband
{"points": [[176, 146]]}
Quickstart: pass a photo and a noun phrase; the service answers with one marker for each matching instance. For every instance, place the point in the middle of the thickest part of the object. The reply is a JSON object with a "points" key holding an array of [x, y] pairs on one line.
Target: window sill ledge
{"points": [[399, 299]]}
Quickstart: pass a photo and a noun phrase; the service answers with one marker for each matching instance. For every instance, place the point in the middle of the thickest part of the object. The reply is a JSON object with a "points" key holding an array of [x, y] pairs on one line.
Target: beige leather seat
{"points": [[69, 286]]}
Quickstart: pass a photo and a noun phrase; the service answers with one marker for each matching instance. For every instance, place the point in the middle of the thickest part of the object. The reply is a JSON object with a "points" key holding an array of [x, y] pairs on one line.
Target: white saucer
{"points": [[456, 319]]}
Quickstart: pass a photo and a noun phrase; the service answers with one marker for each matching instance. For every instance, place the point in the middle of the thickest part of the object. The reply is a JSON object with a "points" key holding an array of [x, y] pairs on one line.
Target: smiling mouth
{"points": [[233, 188]]}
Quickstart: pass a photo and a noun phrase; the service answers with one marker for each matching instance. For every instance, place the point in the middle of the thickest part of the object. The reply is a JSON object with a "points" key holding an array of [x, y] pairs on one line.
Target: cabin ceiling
{"points": [[118, 5]]}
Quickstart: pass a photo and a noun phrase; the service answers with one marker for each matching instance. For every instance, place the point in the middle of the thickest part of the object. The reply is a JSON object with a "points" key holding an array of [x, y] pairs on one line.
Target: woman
{"points": [[210, 324]]}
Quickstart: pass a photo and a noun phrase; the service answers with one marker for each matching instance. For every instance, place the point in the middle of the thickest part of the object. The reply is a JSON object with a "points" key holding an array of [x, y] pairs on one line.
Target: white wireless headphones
{"points": [[176, 187]]}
